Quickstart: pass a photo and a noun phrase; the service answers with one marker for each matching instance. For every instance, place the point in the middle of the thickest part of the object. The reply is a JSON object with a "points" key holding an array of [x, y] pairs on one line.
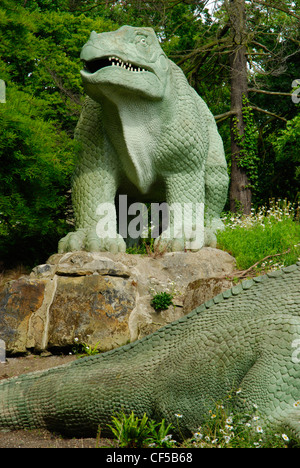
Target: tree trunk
{"points": [[240, 192]]}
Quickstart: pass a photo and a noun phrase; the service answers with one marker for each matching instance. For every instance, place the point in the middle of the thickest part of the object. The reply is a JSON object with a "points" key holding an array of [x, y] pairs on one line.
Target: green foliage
{"points": [[36, 163], [269, 232], [132, 432], [286, 145], [82, 349], [39, 61], [162, 301], [40, 53], [248, 158]]}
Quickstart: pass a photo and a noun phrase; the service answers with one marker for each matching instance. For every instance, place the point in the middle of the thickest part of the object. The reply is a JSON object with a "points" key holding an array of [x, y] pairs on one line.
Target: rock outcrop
{"points": [[105, 298]]}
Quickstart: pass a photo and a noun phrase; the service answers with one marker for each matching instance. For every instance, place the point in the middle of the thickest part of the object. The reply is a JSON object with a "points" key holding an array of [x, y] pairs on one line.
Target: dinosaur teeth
{"points": [[94, 65], [116, 62]]}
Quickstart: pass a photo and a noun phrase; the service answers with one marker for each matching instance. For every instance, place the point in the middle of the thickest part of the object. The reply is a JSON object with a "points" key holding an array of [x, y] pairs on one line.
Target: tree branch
{"points": [[224, 116], [258, 109], [241, 274], [276, 7], [207, 48], [272, 93], [262, 46]]}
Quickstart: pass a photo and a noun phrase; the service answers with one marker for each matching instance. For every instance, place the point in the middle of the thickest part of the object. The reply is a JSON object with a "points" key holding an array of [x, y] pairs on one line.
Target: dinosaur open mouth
{"points": [[92, 66]]}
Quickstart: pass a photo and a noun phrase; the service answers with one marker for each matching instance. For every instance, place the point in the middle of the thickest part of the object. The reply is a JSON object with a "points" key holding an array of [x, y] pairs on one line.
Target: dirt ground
{"points": [[40, 438]]}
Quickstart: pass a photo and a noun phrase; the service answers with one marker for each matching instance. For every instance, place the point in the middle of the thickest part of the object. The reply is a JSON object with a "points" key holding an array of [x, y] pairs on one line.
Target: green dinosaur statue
{"points": [[247, 338], [146, 133]]}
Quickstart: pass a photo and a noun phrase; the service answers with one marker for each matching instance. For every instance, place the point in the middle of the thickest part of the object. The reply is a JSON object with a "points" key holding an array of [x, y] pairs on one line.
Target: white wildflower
{"points": [[228, 427]]}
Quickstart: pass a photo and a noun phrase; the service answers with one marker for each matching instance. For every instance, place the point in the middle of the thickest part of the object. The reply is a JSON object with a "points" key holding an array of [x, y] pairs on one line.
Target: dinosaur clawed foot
{"points": [[87, 239]]}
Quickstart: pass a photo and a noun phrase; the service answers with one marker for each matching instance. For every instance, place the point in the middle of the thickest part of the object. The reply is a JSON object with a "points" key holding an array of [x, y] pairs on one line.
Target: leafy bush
{"points": [[36, 162], [269, 232], [40, 63]]}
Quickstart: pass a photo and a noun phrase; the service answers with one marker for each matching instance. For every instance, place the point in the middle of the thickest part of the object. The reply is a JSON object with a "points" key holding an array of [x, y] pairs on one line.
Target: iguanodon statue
{"points": [[143, 132], [247, 338]]}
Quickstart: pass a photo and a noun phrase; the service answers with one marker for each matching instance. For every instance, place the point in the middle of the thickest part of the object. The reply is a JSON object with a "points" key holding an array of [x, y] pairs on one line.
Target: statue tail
{"points": [[17, 404], [63, 399]]}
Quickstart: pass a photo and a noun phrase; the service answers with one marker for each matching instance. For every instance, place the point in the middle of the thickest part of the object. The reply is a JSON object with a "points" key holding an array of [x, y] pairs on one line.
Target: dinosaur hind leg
{"points": [[272, 383]]}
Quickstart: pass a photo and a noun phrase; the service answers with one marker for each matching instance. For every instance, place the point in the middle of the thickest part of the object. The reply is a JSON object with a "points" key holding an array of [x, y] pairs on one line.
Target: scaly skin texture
{"points": [[246, 338], [144, 132]]}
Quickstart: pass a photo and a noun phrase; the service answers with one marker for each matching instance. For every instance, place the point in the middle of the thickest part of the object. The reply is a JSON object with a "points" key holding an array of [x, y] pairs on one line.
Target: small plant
{"points": [[85, 349], [162, 301], [149, 248], [160, 435], [132, 432]]}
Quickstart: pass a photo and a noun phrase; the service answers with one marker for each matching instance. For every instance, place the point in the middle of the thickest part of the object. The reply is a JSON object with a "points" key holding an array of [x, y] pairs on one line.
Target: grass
{"points": [[269, 237]]}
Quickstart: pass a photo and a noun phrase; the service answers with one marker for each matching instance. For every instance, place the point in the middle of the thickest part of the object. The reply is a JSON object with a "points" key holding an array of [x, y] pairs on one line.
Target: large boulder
{"points": [[105, 298]]}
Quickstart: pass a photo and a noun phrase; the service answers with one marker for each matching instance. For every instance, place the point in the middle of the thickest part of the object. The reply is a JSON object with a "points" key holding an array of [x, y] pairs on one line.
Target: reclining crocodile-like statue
{"points": [[144, 132], [246, 338]]}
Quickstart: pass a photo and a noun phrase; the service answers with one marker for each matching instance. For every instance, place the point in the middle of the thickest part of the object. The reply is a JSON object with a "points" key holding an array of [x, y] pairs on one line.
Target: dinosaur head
{"points": [[129, 59]]}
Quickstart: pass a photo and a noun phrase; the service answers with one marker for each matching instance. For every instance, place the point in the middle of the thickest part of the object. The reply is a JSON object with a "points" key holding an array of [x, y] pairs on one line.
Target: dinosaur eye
{"points": [[142, 40]]}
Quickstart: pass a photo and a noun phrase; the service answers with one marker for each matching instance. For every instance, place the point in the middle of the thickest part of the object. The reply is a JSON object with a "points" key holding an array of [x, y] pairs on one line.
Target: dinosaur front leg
{"points": [[185, 199], [93, 194], [94, 206]]}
